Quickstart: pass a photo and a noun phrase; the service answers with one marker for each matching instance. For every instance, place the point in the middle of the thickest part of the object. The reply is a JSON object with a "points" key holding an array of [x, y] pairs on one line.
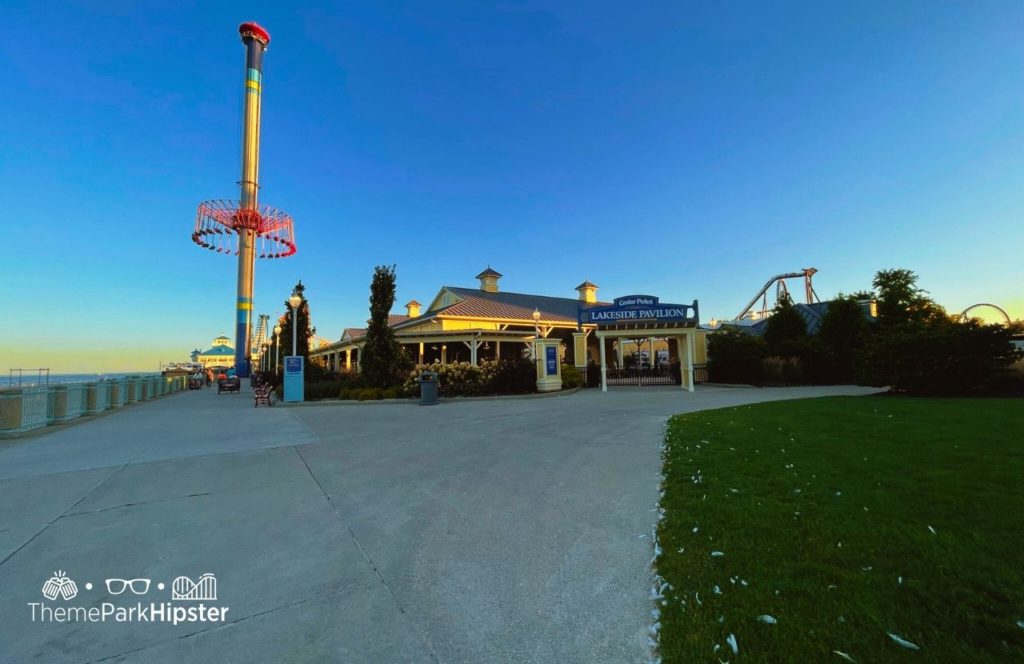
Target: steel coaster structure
{"points": [[1006, 316], [779, 281], [244, 228]]}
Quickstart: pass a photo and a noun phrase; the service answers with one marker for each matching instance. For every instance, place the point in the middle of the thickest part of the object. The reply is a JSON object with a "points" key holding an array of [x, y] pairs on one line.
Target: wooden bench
{"points": [[261, 393]]}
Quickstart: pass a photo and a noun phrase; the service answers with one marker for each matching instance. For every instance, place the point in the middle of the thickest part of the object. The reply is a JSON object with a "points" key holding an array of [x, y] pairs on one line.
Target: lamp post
{"points": [[295, 301], [265, 356], [277, 347]]}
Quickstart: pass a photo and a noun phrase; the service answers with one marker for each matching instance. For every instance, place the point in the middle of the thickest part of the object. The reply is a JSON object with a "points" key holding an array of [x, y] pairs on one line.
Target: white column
{"points": [[497, 350], [681, 350], [421, 354], [472, 350], [604, 371], [348, 359], [444, 353], [689, 361], [618, 351]]}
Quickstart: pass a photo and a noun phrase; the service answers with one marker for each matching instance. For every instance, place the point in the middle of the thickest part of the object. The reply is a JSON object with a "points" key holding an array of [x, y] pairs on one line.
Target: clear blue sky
{"points": [[687, 150]]}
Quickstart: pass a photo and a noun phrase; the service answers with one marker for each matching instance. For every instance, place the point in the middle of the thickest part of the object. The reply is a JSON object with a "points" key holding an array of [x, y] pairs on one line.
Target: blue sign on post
{"points": [[552, 360], [640, 309], [293, 378]]}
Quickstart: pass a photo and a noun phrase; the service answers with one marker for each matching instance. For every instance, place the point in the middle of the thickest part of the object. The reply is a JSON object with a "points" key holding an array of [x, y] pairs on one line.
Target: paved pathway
{"points": [[512, 530]]}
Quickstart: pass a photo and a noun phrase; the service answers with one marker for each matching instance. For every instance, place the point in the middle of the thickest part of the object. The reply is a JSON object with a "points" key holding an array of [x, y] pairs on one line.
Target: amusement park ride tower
{"points": [[245, 228]]}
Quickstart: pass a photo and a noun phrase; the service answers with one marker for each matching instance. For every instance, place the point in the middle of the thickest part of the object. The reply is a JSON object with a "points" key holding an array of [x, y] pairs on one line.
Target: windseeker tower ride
{"points": [[245, 228]]}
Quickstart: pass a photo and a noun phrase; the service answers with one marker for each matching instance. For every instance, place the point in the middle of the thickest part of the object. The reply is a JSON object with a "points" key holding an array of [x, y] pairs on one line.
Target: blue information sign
{"points": [[294, 379], [552, 361], [640, 309]]}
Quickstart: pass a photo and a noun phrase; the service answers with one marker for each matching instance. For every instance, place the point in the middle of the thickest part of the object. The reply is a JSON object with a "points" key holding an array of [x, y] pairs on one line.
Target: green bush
{"points": [[571, 377], [462, 379], [735, 357], [782, 370], [324, 389], [369, 394], [938, 357], [393, 392]]}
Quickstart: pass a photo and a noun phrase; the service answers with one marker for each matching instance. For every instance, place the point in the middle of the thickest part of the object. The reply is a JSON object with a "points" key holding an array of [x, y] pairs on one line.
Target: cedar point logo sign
{"points": [[640, 309]]}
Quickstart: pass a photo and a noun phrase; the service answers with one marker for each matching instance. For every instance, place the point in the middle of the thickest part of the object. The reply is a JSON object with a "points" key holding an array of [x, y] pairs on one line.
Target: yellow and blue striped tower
{"points": [[255, 39], [246, 228]]}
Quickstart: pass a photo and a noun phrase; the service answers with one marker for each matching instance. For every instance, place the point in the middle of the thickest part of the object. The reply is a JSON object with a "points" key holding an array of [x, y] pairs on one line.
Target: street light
{"points": [[277, 347], [295, 301], [265, 356]]}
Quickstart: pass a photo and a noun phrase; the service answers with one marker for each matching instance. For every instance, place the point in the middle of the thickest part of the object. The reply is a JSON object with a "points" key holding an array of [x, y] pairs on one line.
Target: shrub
{"points": [[735, 357], [782, 370], [571, 377], [324, 389], [518, 376], [938, 357], [462, 379], [393, 392], [368, 394]]}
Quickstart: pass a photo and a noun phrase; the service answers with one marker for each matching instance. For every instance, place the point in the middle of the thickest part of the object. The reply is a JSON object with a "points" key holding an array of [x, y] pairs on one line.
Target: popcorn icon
{"points": [[59, 585]]}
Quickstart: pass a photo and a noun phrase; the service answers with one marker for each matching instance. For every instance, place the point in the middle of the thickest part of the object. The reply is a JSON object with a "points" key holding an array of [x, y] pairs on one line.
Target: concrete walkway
{"points": [[476, 531]]}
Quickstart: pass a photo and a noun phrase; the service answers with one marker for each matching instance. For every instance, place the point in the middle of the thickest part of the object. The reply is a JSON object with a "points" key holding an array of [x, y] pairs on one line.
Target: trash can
{"points": [[428, 388]]}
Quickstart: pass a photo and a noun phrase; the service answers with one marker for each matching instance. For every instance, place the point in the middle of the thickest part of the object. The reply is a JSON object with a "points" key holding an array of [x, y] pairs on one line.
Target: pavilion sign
{"points": [[640, 309]]}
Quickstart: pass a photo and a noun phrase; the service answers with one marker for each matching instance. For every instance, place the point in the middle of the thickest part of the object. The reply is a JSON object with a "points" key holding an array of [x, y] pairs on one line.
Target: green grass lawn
{"points": [[845, 519]]}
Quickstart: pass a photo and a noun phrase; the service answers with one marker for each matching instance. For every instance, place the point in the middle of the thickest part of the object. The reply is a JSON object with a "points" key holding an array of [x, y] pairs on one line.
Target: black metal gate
{"points": [[660, 375]]}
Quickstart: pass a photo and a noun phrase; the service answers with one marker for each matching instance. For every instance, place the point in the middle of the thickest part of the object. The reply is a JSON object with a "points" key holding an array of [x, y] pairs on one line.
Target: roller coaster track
{"points": [[1006, 316], [779, 281], [259, 334]]}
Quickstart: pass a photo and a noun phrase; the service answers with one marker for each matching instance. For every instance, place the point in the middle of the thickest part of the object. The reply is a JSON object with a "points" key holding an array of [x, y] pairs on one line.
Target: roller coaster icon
{"points": [[203, 589]]}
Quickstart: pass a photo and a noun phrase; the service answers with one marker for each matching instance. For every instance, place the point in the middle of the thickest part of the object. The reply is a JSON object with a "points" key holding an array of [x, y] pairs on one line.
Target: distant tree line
{"points": [[912, 346]]}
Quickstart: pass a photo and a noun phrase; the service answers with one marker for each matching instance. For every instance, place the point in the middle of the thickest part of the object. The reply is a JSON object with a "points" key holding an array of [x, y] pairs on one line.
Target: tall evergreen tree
{"points": [[382, 357], [305, 331], [786, 329]]}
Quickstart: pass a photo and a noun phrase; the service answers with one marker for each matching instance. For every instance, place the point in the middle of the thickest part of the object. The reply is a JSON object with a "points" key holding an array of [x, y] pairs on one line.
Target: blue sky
{"points": [[687, 150]]}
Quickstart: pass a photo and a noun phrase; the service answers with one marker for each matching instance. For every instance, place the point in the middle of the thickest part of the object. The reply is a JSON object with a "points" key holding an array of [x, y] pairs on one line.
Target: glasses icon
{"points": [[117, 586]]}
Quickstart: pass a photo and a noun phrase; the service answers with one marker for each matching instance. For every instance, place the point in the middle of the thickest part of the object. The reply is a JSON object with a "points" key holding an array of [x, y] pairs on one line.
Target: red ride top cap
{"points": [[251, 29]]}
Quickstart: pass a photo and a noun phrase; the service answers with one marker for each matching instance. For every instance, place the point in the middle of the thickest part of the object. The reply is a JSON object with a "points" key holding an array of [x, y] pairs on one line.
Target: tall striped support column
{"points": [[255, 39]]}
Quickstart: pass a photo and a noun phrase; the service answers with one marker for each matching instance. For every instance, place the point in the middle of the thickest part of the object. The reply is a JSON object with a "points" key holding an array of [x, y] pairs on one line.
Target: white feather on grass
{"points": [[903, 642], [845, 656], [767, 619], [732, 644]]}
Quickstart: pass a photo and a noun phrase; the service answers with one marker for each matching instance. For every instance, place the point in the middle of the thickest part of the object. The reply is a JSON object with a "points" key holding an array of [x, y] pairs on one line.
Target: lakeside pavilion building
{"points": [[474, 324], [220, 354]]}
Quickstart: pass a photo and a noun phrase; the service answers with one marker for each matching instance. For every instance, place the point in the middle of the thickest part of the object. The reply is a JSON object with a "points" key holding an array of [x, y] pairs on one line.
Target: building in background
{"points": [[465, 324], [221, 354]]}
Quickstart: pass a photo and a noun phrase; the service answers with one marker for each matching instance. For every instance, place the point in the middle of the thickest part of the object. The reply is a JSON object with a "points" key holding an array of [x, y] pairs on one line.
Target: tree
{"points": [[900, 301], [305, 331], [786, 330], [382, 358], [843, 333]]}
